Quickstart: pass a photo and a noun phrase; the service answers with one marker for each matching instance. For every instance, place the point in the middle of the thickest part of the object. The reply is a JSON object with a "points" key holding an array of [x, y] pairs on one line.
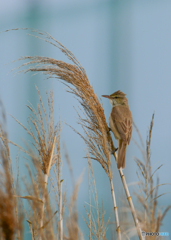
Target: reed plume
{"points": [[45, 151]]}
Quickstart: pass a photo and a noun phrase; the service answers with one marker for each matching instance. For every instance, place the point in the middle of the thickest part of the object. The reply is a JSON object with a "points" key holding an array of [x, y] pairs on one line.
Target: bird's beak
{"points": [[106, 96]]}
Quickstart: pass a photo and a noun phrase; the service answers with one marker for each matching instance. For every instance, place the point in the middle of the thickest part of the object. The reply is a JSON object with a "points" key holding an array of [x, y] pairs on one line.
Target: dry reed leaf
{"points": [[30, 198], [46, 223]]}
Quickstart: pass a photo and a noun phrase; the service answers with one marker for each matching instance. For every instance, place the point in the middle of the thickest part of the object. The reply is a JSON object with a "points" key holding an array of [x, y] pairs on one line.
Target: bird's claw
{"points": [[109, 129], [114, 151]]}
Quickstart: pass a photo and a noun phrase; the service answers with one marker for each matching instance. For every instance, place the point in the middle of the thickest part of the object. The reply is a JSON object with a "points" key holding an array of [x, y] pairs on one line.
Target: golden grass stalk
{"points": [[47, 137], [45, 143], [10, 216], [97, 136], [151, 216], [7, 202]]}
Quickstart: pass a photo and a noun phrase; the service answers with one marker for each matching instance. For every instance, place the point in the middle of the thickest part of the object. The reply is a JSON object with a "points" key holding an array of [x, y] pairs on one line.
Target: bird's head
{"points": [[117, 98]]}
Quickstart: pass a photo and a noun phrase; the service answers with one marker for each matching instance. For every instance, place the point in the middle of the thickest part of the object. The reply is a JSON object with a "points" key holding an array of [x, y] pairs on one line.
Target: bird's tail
{"points": [[121, 154]]}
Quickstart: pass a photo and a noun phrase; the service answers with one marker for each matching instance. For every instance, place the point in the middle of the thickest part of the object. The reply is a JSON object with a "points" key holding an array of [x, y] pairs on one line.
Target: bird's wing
{"points": [[122, 119]]}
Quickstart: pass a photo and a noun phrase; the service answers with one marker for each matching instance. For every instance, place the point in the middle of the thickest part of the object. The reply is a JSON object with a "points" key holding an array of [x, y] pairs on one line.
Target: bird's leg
{"points": [[109, 129]]}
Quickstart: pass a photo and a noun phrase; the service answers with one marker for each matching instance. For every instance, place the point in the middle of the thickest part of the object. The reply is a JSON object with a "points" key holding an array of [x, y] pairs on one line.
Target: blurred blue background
{"points": [[122, 45]]}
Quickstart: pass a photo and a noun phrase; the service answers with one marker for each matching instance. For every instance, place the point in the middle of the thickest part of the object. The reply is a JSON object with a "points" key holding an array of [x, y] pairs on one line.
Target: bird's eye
{"points": [[116, 97]]}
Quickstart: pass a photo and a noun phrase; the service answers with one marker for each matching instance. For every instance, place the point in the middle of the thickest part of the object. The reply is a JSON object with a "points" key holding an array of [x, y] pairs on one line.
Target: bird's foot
{"points": [[109, 129], [114, 151]]}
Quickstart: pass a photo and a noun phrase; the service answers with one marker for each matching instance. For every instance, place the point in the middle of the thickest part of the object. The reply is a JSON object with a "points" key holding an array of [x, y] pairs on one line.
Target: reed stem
{"points": [[46, 175], [116, 211], [60, 213], [43, 200], [129, 198]]}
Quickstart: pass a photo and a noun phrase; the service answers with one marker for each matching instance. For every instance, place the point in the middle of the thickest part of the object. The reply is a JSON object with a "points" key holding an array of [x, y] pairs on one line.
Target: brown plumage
{"points": [[120, 122]]}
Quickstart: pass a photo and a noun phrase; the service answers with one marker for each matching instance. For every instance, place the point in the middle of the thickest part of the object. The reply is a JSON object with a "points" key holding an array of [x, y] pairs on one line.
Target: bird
{"points": [[120, 122]]}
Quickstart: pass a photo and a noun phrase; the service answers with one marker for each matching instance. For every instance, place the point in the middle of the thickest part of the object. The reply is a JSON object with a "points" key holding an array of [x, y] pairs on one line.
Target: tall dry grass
{"points": [[45, 221], [151, 215], [44, 151]]}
